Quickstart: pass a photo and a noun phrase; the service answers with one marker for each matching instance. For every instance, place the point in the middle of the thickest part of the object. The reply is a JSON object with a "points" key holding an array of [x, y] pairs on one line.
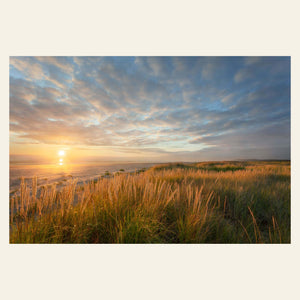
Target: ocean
{"points": [[62, 174]]}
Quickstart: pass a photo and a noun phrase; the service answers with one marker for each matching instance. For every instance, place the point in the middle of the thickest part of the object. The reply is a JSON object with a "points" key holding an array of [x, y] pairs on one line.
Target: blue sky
{"points": [[151, 108]]}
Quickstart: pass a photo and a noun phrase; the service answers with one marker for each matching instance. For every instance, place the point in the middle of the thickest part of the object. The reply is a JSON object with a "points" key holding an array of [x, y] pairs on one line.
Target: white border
{"points": [[149, 271]]}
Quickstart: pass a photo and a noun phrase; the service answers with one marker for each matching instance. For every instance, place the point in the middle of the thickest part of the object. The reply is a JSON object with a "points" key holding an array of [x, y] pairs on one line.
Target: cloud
{"points": [[228, 98], [28, 66], [63, 63], [252, 60], [241, 75], [267, 69], [208, 71], [177, 106]]}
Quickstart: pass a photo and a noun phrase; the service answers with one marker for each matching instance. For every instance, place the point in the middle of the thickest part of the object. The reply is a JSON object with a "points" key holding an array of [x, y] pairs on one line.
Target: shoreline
{"points": [[67, 179]]}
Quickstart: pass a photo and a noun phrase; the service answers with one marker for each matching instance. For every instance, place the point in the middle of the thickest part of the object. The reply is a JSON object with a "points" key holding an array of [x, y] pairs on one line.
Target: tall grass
{"points": [[196, 203]]}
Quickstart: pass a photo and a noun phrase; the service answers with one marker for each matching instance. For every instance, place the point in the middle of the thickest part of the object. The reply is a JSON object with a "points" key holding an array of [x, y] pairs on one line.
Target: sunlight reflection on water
{"points": [[62, 170]]}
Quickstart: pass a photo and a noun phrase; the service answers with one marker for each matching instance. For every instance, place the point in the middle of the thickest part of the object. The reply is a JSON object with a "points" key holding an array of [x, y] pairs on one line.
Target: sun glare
{"points": [[61, 152]]}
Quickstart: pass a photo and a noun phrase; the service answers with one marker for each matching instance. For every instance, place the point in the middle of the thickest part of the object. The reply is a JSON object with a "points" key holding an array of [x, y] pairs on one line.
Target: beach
{"points": [[60, 175]]}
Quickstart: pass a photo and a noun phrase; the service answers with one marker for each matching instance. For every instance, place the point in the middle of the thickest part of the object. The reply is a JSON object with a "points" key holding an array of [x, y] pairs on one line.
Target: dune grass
{"points": [[214, 202]]}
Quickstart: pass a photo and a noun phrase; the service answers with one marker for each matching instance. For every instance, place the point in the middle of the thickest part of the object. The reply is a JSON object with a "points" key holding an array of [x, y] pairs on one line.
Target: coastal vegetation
{"points": [[207, 202]]}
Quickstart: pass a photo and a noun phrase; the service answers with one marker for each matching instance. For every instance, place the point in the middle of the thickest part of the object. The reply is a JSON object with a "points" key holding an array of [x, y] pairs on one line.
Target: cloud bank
{"points": [[175, 108]]}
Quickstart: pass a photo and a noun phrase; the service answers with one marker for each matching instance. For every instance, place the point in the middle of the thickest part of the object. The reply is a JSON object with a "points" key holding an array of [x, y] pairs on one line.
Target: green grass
{"points": [[213, 202]]}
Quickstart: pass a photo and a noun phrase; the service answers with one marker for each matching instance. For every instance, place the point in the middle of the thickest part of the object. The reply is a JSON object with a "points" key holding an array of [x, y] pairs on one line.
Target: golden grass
{"points": [[195, 203]]}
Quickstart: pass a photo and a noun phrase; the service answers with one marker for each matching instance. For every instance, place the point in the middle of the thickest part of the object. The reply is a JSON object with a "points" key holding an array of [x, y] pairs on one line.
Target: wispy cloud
{"points": [[179, 107]]}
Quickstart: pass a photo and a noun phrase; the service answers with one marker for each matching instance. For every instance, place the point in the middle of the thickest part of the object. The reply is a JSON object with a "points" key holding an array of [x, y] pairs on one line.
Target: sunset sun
{"points": [[150, 149], [61, 152]]}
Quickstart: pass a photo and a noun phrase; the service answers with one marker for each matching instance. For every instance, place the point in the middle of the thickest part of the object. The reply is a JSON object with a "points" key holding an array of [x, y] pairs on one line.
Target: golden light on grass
{"points": [[246, 202]]}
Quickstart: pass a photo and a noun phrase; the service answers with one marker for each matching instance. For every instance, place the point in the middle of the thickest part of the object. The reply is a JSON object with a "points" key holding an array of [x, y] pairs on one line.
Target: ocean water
{"points": [[62, 174]]}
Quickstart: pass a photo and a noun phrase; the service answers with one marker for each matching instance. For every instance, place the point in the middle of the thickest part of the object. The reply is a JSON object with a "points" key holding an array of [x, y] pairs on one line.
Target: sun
{"points": [[61, 152]]}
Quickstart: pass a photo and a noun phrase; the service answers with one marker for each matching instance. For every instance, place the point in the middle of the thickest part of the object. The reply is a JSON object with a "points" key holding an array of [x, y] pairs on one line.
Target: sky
{"points": [[152, 109]]}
